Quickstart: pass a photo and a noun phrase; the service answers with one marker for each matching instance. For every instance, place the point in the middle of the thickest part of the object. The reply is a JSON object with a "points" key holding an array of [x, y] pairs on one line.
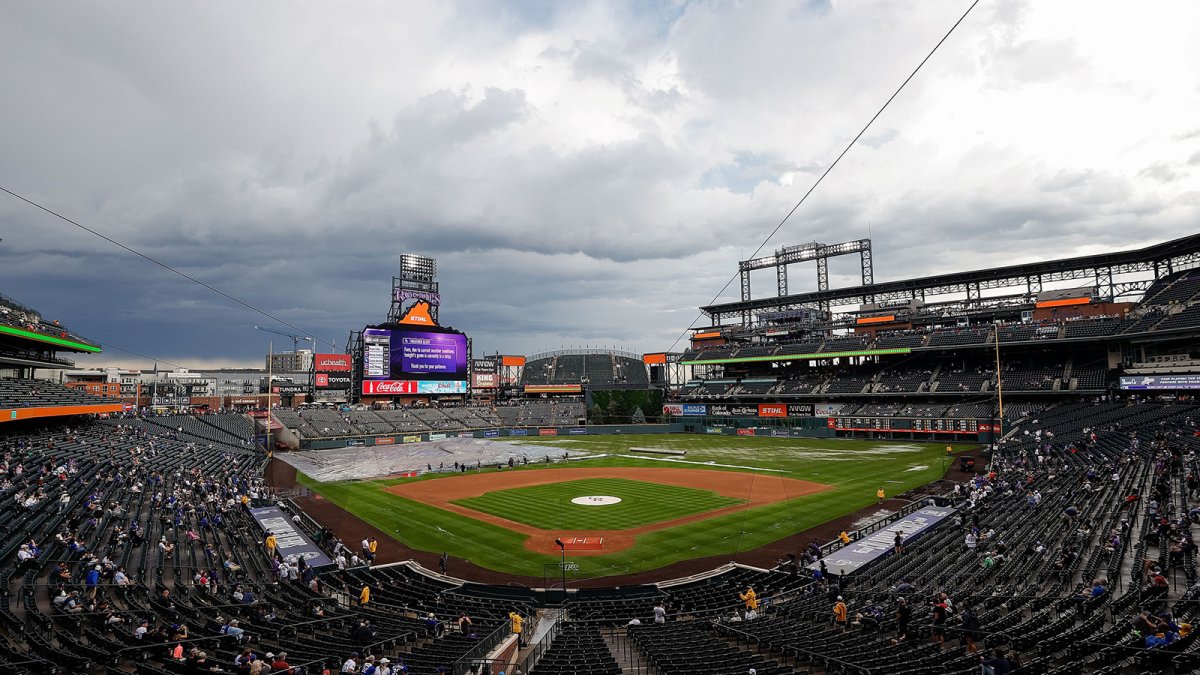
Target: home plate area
{"points": [[583, 543]]}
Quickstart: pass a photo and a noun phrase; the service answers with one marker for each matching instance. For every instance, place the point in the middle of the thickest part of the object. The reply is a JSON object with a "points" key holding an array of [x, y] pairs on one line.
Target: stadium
{"points": [[600, 338], [907, 474]]}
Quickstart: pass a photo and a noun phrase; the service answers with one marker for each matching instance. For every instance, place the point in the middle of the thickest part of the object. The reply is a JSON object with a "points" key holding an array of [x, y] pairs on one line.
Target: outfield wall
{"points": [[543, 432], [706, 426]]}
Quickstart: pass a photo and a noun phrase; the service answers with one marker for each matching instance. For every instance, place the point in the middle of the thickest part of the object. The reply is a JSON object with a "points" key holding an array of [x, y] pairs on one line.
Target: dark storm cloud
{"points": [[586, 173]]}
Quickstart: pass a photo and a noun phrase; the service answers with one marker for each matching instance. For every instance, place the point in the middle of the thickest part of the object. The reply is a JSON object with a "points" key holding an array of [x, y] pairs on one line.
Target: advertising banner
{"points": [[332, 363], [772, 410], [826, 409], [441, 387], [717, 410], [290, 541], [1169, 381], [743, 410], [673, 409], [331, 381], [713, 430], [483, 380], [553, 388], [355, 442], [856, 554], [437, 437], [745, 432], [388, 387], [466, 434], [412, 439], [518, 432], [800, 410], [289, 389], [491, 433], [484, 365], [780, 433], [385, 440], [577, 431], [407, 387], [694, 409], [547, 432]]}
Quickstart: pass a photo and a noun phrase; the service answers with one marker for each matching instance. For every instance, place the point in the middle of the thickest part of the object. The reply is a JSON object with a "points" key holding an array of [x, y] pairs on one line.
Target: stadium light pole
{"points": [[563, 569]]}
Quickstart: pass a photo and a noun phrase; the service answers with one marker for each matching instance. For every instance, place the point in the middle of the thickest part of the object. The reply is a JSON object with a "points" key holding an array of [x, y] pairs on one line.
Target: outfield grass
{"points": [[549, 506], [854, 468]]}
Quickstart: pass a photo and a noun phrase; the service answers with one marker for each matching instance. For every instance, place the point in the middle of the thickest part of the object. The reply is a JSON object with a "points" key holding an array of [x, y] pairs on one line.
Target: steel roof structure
{"points": [[1103, 270]]}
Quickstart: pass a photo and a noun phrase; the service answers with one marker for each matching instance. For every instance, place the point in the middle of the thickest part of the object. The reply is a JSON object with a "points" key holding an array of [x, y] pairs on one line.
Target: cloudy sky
{"points": [[586, 173]]}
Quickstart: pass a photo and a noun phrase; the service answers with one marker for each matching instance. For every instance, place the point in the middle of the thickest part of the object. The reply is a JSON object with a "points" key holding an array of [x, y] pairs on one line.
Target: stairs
{"points": [[628, 656]]}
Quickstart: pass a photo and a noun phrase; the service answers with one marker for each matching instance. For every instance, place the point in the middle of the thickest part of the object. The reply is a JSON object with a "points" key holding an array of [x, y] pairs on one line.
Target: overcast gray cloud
{"points": [[587, 173]]}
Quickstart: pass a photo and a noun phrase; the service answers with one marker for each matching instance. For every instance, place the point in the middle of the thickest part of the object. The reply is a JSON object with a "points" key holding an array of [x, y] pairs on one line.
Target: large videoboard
{"points": [[406, 361]]}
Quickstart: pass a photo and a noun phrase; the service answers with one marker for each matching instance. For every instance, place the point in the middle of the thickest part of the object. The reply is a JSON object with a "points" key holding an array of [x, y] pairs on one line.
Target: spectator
{"points": [[840, 613], [970, 628]]}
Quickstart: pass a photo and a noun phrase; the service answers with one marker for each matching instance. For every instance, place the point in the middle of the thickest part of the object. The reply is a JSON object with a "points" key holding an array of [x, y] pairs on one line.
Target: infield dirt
{"points": [[754, 489]]}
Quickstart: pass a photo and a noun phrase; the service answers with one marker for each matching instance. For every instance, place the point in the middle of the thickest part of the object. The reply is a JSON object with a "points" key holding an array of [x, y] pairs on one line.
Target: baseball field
{"points": [[622, 510]]}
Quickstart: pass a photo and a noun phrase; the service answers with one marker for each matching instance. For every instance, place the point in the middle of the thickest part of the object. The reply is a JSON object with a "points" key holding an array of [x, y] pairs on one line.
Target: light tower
{"points": [[417, 281]]}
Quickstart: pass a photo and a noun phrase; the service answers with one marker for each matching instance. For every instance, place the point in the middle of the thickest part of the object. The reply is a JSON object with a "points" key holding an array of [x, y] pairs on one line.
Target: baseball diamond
{"points": [[730, 496]]}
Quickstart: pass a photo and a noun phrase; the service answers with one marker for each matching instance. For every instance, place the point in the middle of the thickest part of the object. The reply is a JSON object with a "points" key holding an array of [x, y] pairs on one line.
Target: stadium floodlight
{"points": [[417, 267]]}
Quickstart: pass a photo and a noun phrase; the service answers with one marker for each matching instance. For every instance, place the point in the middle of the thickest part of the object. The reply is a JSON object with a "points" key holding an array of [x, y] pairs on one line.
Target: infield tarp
{"points": [[857, 554], [289, 540]]}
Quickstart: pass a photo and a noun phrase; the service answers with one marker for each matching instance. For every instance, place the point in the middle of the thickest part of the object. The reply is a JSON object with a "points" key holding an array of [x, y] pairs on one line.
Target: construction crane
{"points": [[295, 338]]}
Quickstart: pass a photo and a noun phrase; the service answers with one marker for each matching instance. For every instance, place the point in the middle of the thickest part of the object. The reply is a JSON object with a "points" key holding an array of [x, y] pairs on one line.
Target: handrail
{"points": [[153, 645], [480, 649]]}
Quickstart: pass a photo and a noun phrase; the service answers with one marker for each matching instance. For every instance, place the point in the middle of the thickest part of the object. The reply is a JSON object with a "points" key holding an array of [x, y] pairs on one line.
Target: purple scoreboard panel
{"points": [[400, 355]]}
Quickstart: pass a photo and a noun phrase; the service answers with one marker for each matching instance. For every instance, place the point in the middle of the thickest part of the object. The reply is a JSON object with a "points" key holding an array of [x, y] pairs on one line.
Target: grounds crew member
{"points": [[515, 622], [749, 597]]}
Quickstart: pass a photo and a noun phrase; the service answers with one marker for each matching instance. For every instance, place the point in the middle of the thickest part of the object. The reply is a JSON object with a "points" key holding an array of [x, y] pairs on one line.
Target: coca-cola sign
{"points": [[388, 387], [331, 363]]}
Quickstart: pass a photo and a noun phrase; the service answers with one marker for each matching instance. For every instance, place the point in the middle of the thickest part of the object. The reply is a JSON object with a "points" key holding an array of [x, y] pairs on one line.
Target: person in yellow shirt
{"points": [[270, 542], [839, 614], [365, 596], [373, 546], [749, 597], [515, 621], [844, 537], [879, 494]]}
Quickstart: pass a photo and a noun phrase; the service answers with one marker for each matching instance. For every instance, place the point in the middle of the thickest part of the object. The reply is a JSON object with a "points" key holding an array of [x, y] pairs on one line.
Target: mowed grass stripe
{"points": [[549, 506]]}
